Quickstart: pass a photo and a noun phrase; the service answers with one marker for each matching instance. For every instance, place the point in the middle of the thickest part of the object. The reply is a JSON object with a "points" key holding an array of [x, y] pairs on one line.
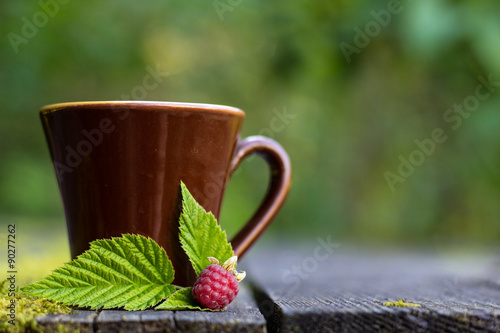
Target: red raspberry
{"points": [[217, 285]]}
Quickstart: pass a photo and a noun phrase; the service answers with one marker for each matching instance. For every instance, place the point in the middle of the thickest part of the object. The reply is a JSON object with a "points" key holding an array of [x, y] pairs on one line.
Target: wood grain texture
{"points": [[345, 292], [242, 315], [78, 321], [119, 321], [158, 321], [324, 288]]}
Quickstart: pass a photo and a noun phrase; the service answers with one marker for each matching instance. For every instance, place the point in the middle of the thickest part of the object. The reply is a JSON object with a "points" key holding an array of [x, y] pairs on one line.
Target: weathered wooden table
{"points": [[326, 288]]}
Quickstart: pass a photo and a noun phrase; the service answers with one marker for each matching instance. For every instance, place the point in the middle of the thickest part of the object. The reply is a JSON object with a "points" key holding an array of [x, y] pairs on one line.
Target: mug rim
{"points": [[142, 105]]}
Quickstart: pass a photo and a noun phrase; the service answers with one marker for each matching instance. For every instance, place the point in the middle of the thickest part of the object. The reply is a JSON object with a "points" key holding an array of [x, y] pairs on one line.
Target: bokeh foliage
{"points": [[351, 119]]}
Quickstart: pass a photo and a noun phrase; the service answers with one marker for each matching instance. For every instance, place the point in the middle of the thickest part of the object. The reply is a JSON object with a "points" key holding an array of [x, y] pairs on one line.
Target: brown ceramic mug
{"points": [[120, 164]]}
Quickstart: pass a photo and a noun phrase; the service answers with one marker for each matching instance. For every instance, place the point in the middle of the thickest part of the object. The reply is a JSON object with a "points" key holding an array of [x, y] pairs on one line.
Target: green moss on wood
{"points": [[27, 308], [401, 304]]}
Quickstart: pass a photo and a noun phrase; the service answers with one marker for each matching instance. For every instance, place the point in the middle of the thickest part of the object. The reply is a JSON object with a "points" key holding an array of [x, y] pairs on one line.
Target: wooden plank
{"points": [[344, 292], [241, 316], [78, 321], [327, 289], [157, 321], [118, 321]]}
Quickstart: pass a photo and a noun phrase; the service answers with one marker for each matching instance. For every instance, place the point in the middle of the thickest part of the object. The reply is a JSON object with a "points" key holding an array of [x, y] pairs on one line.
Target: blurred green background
{"points": [[353, 84]]}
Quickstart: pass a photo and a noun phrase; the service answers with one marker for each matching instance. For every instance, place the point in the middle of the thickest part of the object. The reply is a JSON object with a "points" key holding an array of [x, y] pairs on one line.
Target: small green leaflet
{"points": [[200, 235], [181, 300], [131, 271]]}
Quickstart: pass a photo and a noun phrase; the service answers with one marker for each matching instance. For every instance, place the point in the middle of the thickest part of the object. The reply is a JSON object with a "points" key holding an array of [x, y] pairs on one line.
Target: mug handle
{"points": [[279, 186]]}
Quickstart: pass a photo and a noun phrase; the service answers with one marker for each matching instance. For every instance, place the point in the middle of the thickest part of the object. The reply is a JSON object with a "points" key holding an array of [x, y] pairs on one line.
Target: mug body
{"points": [[119, 166]]}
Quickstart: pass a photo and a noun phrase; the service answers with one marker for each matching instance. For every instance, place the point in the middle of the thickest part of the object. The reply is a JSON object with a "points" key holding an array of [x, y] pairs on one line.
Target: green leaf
{"points": [[131, 271], [200, 235], [181, 300]]}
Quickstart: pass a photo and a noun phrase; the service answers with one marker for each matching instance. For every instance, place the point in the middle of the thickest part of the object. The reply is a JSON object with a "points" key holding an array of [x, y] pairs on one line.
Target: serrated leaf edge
{"points": [[216, 235], [138, 296]]}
